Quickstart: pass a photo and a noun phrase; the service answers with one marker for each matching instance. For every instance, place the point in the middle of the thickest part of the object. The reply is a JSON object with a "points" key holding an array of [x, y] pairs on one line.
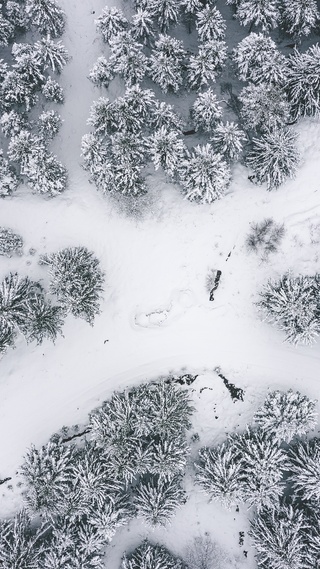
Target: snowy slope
{"points": [[156, 316]]}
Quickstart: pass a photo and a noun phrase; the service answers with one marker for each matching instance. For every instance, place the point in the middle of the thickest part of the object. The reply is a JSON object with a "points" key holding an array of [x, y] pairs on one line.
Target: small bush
{"points": [[149, 556], [10, 243], [265, 237]]}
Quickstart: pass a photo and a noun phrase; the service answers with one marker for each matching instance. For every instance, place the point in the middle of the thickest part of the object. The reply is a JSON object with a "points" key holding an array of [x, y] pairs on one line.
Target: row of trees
{"points": [[270, 468], [76, 281], [131, 465], [25, 83]]}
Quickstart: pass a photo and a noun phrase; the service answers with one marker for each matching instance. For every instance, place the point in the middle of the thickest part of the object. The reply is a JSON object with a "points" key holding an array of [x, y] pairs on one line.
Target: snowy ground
{"points": [[156, 316]]}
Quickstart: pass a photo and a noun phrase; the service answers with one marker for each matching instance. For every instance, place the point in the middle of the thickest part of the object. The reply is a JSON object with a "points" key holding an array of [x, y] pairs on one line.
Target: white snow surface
{"points": [[156, 316]]}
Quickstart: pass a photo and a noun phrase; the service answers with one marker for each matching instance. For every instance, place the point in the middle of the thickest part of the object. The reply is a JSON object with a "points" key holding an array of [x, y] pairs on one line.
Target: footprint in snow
{"points": [[179, 303]]}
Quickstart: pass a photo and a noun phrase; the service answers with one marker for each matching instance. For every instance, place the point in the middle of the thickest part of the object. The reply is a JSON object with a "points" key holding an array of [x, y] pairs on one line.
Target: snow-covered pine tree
{"points": [[168, 409], [166, 60], [104, 116], [286, 415], [20, 544], [15, 12], [262, 13], [204, 175], [135, 109], [303, 82], [219, 474], [210, 24], [47, 16], [8, 179], [228, 140], [111, 22], [304, 459], [157, 498], [127, 58], [45, 320], [128, 179], [264, 107], [274, 157], [265, 237], [258, 60], [17, 91], [114, 513], [262, 465], [291, 304], [10, 243], [164, 116], [48, 475], [14, 297], [51, 54], [164, 12], [300, 17], [52, 91], [94, 151], [77, 281], [142, 28], [312, 557], [6, 31], [127, 148], [49, 124], [101, 73], [149, 556], [167, 150], [12, 123], [204, 66], [206, 112], [7, 337], [46, 175], [25, 147], [168, 457], [278, 535], [28, 65]]}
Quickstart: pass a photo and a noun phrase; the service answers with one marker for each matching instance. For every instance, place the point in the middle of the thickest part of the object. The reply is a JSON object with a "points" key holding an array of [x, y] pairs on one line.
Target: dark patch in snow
{"points": [[215, 284], [67, 439], [237, 394], [5, 480], [186, 379]]}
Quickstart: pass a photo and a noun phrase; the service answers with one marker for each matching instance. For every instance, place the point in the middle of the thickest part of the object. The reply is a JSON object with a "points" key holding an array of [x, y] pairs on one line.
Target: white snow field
{"points": [[156, 316]]}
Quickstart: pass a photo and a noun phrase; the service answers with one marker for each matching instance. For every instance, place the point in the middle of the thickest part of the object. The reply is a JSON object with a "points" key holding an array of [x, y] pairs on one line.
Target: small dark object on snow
{"points": [[245, 553], [185, 379], [215, 284], [241, 537], [77, 435], [237, 509], [188, 132], [5, 480], [236, 392]]}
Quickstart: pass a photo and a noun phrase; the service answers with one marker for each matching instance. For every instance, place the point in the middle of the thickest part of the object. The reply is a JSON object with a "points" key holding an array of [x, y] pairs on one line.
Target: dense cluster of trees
{"points": [[131, 464], [274, 468], [28, 81], [278, 91], [76, 281]]}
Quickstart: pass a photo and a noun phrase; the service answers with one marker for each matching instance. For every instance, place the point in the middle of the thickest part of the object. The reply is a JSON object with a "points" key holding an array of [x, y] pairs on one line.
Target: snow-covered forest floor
{"points": [[156, 316]]}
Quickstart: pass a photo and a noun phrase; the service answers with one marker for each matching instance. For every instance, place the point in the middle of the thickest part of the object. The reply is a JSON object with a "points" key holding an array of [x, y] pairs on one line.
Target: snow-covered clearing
{"points": [[156, 316]]}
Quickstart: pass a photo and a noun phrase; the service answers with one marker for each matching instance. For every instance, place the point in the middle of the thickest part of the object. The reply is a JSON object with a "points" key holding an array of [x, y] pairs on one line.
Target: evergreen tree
{"points": [[264, 107], [168, 458], [102, 72], [206, 111], [204, 175], [45, 321], [15, 12], [12, 123], [291, 304], [164, 12], [10, 243], [20, 545], [142, 26], [110, 23], [24, 148], [300, 16], [149, 556], [127, 148], [258, 60], [16, 90], [51, 54], [14, 296], [206, 64], [48, 475], [305, 471], [156, 499], [6, 31], [127, 58], [28, 65], [7, 337], [264, 13], [164, 116], [286, 415], [46, 175], [76, 279], [210, 24], [104, 116], [94, 152], [52, 91], [128, 179], [8, 179], [168, 409], [219, 474], [265, 237], [49, 124], [115, 513], [167, 150], [274, 157], [166, 63], [228, 140], [189, 10], [135, 109], [303, 82], [262, 465], [47, 16]]}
